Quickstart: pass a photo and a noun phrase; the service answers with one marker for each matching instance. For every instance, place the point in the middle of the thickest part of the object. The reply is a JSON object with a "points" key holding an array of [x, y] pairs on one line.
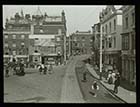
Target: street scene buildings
{"points": [[59, 58]]}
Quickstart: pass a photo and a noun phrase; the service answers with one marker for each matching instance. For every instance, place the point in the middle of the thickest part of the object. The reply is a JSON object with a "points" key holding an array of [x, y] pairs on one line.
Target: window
{"points": [[110, 44], [125, 42], [106, 28], [14, 52], [133, 42], [59, 31], [114, 42], [22, 36], [14, 36], [36, 51], [6, 44], [114, 24], [110, 26], [102, 44], [76, 44], [133, 18], [83, 38], [22, 44], [126, 22], [6, 36], [102, 29], [58, 38], [106, 43], [40, 23], [83, 45], [41, 31], [14, 45], [75, 39]]}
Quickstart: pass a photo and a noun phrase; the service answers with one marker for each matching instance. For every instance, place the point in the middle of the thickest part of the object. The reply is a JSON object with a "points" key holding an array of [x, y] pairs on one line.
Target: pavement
{"points": [[103, 95], [125, 95]]}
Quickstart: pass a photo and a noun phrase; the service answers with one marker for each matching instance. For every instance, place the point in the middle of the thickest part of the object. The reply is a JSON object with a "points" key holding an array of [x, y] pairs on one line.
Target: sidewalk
{"points": [[127, 96]]}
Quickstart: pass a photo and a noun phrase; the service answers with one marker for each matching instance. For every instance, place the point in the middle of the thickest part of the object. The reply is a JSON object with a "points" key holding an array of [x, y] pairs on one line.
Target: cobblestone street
{"points": [[34, 87], [63, 86]]}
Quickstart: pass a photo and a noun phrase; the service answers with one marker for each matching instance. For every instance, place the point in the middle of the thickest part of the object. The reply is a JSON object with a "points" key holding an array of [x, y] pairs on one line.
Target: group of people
{"points": [[114, 78], [44, 68], [16, 67]]}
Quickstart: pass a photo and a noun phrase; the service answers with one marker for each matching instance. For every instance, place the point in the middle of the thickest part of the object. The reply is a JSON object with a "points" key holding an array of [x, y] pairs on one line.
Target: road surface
{"points": [[62, 86]]}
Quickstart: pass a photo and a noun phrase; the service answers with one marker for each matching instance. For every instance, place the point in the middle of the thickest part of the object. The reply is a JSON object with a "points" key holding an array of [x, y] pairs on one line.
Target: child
{"points": [[95, 87]]}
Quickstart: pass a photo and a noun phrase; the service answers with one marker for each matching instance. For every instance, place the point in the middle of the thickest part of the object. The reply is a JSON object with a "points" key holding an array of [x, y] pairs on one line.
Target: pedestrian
{"points": [[113, 76], [40, 68], [84, 76], [110, 79], [116, 83], [50, 69], [7, 71], [45, 69], [22, 65], [95, 88]]}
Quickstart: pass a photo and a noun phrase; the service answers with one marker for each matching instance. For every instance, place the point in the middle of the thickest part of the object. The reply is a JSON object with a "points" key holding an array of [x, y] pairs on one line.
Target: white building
{"points": [[111, 28]]}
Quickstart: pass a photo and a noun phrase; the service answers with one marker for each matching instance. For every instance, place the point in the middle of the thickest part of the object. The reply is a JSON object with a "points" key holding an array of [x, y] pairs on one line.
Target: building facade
{"points": [[16, 38], [111, 29], [96, 43], [128, 45], [49, 36], [80, 42]]}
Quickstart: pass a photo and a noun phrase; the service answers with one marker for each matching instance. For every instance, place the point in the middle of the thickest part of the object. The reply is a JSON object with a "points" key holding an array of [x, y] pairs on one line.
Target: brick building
{"points": [[128, 44], [16, 37], [80, 42], [49, 35]]}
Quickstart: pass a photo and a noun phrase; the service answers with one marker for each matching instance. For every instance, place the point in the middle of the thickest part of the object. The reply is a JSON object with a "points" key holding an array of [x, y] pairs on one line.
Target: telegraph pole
{"points": [[101, 52]]}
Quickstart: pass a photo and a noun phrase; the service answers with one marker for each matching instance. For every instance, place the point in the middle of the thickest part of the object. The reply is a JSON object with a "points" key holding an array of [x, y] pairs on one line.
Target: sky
{"points": [[78, 17]]}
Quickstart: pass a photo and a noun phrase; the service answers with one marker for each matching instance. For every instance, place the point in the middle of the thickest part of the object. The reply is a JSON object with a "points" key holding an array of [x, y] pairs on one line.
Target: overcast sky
{"points": [[79, 17]]}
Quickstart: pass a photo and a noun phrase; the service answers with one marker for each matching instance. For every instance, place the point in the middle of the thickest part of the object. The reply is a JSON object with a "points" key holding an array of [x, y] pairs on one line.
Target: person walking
{"points": [[116, 83], [50, 69], [45, 69], [7, 71], [95, 88], [40, 68], [110, 79]]}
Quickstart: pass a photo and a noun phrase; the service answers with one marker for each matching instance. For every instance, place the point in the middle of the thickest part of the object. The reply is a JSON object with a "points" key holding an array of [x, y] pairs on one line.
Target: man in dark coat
{"points": [[116, 84]]}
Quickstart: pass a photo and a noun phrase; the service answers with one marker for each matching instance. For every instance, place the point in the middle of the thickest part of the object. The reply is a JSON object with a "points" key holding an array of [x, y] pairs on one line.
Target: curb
{"points": [[107, 88], [80, 85]]}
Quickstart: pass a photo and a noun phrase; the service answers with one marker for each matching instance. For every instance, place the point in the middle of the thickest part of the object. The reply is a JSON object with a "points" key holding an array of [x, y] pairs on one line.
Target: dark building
{"points": [[128, 45], [80, 42], [16, 37], [96, 43]]}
